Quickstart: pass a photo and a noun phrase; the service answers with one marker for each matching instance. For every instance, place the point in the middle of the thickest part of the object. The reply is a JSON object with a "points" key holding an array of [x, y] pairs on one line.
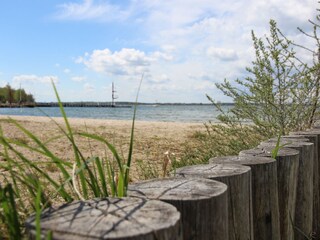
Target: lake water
{"points": [[163, 113]]}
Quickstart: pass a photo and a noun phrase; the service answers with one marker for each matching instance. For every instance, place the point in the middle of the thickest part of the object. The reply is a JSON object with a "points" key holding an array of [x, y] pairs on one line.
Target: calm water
{"points": [[164, 113]]}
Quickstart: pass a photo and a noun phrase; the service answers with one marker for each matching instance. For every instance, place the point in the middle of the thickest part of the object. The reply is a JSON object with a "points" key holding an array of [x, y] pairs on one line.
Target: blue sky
{"points": [[183, 47]]}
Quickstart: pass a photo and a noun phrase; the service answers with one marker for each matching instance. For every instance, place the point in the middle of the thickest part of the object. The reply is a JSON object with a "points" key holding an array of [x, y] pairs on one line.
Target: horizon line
{"points": [[130, 102]]}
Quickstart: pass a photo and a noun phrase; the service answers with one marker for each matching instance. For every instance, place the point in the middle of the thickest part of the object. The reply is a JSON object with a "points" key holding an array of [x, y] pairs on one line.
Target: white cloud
{"points": [[194, 43], [67, 71], [160, 79], [34, 79], [3, 83], [127, 61], [222, 54], [202, 77], [205, 86], [162, 55], [39, 86], [78, 78], [89, 10], [88, 87], [168, 48]]}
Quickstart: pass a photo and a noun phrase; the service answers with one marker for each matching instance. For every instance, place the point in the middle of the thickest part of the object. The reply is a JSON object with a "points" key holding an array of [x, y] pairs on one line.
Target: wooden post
{"points": [[304, 201], [110, 218], [203, 204], [265, 207], [238, 180], [310, 134], [313, 137], [287, 170]]}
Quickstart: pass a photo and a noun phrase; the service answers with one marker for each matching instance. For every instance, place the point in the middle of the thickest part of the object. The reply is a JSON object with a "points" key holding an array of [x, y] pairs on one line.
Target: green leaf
{"points": [[71, 138], [38, 213]]}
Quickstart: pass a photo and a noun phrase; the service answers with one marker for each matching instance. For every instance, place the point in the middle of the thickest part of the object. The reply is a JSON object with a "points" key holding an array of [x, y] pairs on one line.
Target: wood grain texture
{"points": [[265, 207], [287, 174], [314, 136], [202, 203], [238, 180], [304, 200], [110, 218]]}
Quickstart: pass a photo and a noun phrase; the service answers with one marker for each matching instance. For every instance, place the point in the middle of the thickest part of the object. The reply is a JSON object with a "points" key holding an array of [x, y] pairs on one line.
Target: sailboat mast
{"points": [[20, 95], [113, 104]]}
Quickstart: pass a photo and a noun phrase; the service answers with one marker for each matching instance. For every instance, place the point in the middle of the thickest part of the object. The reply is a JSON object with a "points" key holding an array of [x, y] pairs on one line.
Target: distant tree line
{"points": [[9, 95]]}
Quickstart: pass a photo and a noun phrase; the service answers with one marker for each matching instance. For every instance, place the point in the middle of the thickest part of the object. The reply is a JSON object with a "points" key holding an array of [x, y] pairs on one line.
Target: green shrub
{"points": [[278, 95]]}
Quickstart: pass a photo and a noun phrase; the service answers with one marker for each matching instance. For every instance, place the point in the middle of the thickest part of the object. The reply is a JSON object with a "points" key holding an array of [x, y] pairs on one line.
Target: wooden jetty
{"points": [[65, 104], [81, 104]]}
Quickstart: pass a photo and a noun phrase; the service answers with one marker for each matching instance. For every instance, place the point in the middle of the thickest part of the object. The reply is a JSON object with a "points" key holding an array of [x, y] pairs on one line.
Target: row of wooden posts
{"points": [[249, 196]]}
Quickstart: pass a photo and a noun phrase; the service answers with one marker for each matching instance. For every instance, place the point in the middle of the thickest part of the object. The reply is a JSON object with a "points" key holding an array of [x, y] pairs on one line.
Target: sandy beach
{"points": [[152, 139]]}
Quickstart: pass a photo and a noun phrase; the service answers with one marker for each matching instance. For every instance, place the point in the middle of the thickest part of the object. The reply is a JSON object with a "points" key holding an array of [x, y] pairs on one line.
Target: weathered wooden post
{"points": [[314, 137], [265, 207], [110, 218], [238, 180], [203, 204], [304, 200], [287, 170]]}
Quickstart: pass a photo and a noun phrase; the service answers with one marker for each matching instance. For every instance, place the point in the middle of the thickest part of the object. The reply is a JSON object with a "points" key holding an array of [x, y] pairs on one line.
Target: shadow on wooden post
{"points": [[201, 202], [304, 200], [110, 218], [314, 136], [265, 207], [238, 180], [287, 170]]}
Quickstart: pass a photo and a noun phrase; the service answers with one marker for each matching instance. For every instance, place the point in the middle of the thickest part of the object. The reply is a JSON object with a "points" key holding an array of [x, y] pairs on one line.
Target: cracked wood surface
{"points": [[110, 218], [265, 207], [304, 199], [313, 135], [201, 202], [287, 175], [238, 179]]}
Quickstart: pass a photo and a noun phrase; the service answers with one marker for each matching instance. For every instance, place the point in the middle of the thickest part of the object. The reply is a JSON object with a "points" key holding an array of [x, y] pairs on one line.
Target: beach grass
{"points": [[40, 149], [28, 187], [55, 161]]}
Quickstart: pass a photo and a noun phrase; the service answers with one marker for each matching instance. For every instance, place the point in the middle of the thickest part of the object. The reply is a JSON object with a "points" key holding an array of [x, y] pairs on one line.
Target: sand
{"points": [[152, 139]]}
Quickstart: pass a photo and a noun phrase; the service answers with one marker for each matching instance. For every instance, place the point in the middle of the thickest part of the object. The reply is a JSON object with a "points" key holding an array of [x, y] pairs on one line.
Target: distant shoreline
{"points": [[109, 104], [101, 104], [17, 105]]}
